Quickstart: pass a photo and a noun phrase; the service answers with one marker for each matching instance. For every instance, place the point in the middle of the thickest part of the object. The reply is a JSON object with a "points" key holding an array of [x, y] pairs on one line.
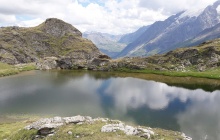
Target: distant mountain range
{"points": [[106, 43], [131, 37], [186, 28]]}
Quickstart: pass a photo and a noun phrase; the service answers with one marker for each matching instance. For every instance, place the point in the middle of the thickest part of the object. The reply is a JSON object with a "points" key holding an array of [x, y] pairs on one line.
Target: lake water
{"points": [[189, 105]]}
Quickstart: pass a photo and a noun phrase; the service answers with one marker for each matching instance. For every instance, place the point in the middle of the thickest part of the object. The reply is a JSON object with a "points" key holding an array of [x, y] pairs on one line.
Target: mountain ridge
{"points": [[52, 38], [178, 28], [106, 43]]}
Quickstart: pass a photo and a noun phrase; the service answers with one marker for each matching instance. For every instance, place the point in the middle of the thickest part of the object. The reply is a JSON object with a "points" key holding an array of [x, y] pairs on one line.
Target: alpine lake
{"points": [[189, 105]]}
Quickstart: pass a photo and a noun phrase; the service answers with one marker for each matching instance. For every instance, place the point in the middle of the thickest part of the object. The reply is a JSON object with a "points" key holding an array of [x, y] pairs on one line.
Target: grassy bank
{"points": [[211, 74], [6, 70], [15, 131]]}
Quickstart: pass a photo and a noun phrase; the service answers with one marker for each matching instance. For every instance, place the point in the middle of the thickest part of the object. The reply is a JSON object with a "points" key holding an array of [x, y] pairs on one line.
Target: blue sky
{"points": [[107, 16]]}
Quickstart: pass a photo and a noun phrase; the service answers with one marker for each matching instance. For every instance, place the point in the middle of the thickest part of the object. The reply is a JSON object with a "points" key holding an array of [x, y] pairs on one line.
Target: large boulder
{"points": [[47, 63]]}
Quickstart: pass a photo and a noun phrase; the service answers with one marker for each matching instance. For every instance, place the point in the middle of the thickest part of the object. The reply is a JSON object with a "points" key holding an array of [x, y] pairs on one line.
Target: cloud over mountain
{"points": [[111, 16]]}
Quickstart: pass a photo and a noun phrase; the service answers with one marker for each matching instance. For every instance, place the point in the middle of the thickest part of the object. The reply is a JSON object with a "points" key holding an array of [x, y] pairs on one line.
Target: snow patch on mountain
{"points": [[218, 9], [191, 13]]}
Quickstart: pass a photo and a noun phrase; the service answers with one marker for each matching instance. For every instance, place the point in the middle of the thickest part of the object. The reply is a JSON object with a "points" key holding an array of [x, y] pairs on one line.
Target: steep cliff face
{"points": [[52, 38]]}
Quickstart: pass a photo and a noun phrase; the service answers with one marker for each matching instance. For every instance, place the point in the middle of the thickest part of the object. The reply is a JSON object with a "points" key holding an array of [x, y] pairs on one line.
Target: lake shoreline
{"points": [[8, 70], [16, 69]]}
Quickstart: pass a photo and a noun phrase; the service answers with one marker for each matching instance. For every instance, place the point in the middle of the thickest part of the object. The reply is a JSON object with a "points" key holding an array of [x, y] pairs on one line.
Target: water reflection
{"points": [[143, 102], [201, 119]]}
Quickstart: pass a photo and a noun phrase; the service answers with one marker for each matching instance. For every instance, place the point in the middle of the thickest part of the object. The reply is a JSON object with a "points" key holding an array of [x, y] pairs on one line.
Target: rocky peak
{"points": [[216, 4], [58, 28], [210, 16]]}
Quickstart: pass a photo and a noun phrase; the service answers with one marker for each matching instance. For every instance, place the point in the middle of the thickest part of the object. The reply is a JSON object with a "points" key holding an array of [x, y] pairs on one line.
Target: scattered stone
{"points": [[186, 137], [145, 135], [146, 130], [70, 132], [113, 127], [128, 130], [46, 127], [50, 135], [45, 131], [75, 119], [37, 136], [50, 123]]}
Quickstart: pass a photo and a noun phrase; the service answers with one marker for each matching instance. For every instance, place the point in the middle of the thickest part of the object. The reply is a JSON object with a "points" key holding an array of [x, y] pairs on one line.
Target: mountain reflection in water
{"points": [[143, 102]]}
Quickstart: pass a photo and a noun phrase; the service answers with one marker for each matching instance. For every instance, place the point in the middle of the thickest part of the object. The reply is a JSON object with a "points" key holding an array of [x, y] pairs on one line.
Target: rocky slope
{"points": [[107, 43], [54, 39], [200, 58], [204, 57], [163, 36], [207, 34]]}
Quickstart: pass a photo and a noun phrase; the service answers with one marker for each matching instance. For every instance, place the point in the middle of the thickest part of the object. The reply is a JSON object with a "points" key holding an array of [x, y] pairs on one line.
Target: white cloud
{"points": [[174, 6], [111, 16], [135, 93]]}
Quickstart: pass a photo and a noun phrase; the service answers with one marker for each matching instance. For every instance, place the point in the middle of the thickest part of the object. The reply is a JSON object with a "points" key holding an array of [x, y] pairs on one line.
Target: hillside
{"points": [[197, 61], [52, 38], [207, 34], [163, 36]]}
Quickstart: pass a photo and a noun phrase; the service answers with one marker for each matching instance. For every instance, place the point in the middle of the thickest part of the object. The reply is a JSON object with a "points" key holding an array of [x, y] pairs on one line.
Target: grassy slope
{"points": [[6, 70], [210, 74], [171, 62]]}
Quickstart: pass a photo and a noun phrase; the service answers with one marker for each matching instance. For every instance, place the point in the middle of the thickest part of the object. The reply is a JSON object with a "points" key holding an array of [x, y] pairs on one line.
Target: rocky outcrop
{"points": [[48, 126], [47, 63], [200, 58], [53, 38], [128, 130], [55, 122]]}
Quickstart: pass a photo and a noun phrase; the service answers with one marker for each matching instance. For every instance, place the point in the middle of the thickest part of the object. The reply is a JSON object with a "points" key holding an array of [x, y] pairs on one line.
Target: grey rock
{"points": [[45, 131], [145, 135], [50, 135], [47, 63], [186, 137], [149, 131], [75, 119], [113, 127], [46, 123], [70, 132], [128, 130]]}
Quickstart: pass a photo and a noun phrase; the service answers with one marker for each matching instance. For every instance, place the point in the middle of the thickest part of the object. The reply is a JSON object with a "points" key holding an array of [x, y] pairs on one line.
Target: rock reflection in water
{"points": [[142, 102]]}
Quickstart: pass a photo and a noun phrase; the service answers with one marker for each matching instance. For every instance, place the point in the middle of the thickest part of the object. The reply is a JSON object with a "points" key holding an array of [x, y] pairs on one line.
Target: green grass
{"points": [[6, 70], [211, 74], [16, 131]]}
